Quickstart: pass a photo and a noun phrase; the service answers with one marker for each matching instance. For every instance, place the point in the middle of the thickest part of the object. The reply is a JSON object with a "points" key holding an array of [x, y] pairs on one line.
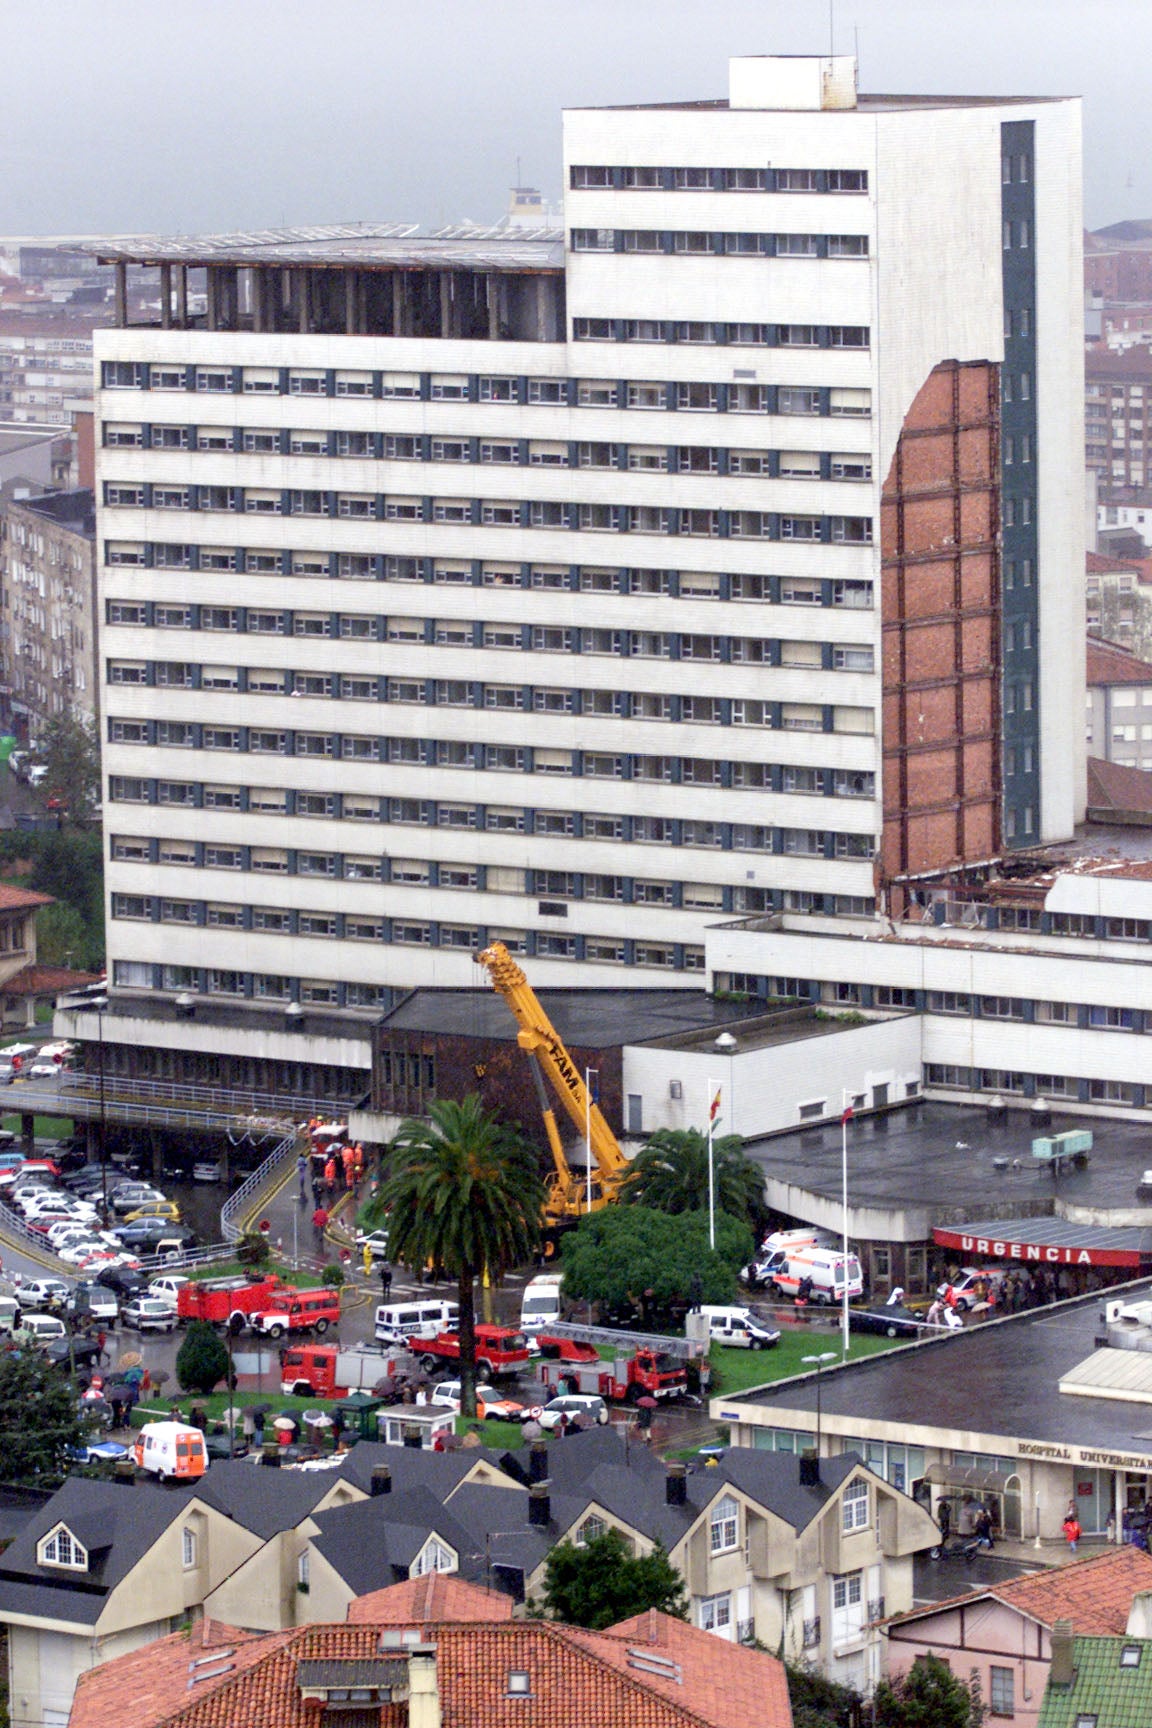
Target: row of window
{"points": [[589, 177], [1051, 1086], [700, 242], [710, 333], [761, 464], [854, 594], [409, 933], [1087, 1016], [733, 398], [448, 632], [706, 524], [494, 758]]}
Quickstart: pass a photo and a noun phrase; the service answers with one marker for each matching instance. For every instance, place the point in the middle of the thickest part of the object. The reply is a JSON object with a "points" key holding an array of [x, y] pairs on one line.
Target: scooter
{"points": [[956, 1548]]}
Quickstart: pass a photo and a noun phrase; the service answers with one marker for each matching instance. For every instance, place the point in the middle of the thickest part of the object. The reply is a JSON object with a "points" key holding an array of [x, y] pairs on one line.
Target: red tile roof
{"points": [[1097, 564], [422, 1601], [1109, 664], [161, 1677], [47, 981], [1118, 790], [21, 899], [1095, 1594], [646, 1673]]}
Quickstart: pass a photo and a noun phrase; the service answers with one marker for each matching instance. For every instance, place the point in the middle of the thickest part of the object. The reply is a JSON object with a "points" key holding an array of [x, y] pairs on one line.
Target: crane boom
{"points": [[541, 1042]]}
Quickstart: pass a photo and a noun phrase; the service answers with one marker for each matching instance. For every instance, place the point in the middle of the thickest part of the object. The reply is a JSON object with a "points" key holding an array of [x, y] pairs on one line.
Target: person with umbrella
{"points": [[644, 1408]]}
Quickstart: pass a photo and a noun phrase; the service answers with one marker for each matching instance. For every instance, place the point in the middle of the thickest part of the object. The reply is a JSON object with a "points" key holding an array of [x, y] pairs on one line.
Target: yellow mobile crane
{"points": [[569, 1193]]}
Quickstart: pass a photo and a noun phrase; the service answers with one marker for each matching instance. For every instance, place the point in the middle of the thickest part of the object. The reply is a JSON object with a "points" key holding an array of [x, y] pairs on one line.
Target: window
{"points": [[854, 1507], [434, 1557], [188, 1547], [715, 1613], [724, 1525], [1001, 1691], [62, 1549]]}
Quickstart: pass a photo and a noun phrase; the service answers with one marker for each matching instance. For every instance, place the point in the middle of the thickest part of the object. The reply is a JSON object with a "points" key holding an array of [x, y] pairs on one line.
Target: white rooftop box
{"points": [[792, 81]]}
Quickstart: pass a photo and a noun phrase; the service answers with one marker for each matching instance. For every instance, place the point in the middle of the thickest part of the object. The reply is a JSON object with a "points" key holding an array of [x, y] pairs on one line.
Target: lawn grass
{"points": [[44, 1127], [736, 1371], [302, 1277]]}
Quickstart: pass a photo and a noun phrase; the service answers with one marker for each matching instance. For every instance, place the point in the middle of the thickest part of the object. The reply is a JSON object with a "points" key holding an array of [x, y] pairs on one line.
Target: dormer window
{"points": [[519, 1683], [433, 1557], [724, 1527], [61, 1548], [855, 1506]]}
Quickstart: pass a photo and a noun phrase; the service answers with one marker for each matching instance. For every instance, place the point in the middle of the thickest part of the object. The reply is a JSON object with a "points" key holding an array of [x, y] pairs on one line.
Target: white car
{"points": [[149, 1314], [35, 1292], [50, 1070], [490, 1403], [167, 1286], [585, 1404], [86, 1254]]}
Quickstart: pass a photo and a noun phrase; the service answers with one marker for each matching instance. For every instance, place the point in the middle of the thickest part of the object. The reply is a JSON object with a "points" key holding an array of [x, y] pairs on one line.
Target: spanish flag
{"points": [[715, 1110]]}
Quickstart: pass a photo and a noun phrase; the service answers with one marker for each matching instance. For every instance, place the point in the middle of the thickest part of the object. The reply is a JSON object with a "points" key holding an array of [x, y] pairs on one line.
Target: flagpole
{"points": [[711, 1174], [847, 1111]]}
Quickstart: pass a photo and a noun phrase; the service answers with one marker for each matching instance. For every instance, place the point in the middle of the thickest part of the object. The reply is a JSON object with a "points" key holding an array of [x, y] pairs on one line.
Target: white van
{"points": [[172, 1451], [540, 1303], [816, 1273], [9, 1313], [398, 1321], [42, 1328], [739, 1327]]}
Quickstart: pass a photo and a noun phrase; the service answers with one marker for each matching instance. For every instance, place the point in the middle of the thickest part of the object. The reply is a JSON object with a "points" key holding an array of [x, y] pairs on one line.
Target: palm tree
{"points": [[463, 1192], [671, 1175]]}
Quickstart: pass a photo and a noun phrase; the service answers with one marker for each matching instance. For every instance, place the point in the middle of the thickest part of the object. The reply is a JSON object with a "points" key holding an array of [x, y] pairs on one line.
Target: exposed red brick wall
{"points": [[940, 611]]}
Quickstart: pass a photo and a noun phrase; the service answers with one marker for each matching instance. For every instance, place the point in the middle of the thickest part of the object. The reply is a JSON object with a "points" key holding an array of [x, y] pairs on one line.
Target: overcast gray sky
{"points": [[182, 115]]}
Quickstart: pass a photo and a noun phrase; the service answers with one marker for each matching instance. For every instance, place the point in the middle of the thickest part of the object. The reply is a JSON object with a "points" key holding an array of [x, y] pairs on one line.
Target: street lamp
{"points": [[818, 1362], [100, 1003]]}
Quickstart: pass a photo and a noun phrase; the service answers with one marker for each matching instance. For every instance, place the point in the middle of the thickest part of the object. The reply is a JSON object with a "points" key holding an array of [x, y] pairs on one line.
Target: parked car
{"points": [[43, 1295], [75, 1351], [40, 1328], [490, 1403], [376, 1243], [583, 1404], [146, 1234], [149, 1314], [167, 1285], [168, 1210], [127, 1196], [94, 1303], [124, 1280], [207, 1170]]}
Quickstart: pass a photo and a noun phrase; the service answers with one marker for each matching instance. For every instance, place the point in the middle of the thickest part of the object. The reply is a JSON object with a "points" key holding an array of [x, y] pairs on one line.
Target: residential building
{"points": [[1126, 509], [1119, 692], [45, 365], [49, 623], [1008, 1632], [1117, 386], [410, 1670], [1097, 1682], [34, 456], [1119, 600], [634, 638]]}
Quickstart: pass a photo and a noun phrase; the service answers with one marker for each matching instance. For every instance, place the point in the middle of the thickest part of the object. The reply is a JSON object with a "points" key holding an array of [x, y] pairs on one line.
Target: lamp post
{"points": [[100, 1004], [818, 1362]]}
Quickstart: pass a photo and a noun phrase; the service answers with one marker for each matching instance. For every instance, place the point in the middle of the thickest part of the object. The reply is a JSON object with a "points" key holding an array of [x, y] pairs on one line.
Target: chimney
{"points": [[381, 1480], [270, 1455], [1140, 1615], [1062, 1671], [809, 1468], [538, 1461], [539, 1505], [125, 1473], [676, 1485], [423, 1690]]}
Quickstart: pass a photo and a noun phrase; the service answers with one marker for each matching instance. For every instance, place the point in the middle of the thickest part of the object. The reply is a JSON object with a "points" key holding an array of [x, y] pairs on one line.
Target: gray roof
{"points": [[118, 1524], [262, 1500], [595, 1018], [373, 1543], [999, 1379], [359, 245], [772, 1479]]}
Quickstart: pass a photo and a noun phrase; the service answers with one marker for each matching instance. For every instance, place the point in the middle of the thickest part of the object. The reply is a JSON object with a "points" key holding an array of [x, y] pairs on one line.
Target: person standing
{"points": [[1071, 1527], [319, 1225], [330, 1177], [385, 1278], [302, 1175]]}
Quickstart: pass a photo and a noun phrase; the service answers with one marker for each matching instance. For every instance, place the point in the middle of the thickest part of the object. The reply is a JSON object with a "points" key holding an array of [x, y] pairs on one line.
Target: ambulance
{"points": [[172, 1451], [819, 1270]]}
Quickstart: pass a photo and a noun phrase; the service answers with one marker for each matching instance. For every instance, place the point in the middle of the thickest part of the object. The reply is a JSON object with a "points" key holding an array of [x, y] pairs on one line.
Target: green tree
{"points": [[202, 1361], [463, 1192], [40, 1421], [604, 1581], [818, 1702], [69, 747], [671, 1175], [621, 1252], [69, 866], [928, 1696], [254, 1248]]}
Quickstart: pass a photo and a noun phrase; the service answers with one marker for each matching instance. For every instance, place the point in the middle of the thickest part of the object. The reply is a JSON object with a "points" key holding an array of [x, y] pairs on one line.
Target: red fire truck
{"points": [[499, 1349], [227, 1302]]}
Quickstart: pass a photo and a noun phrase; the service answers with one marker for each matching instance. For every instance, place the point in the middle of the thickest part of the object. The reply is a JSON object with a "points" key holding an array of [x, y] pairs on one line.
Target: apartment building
{"points": [[48, 610], [1117, 388], [575, 589]]}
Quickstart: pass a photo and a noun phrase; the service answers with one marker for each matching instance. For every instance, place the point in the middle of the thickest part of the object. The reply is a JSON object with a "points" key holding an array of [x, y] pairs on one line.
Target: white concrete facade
{"points": [[572, 679]]}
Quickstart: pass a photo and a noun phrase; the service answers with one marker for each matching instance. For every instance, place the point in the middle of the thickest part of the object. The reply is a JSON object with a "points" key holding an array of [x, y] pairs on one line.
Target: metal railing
{"points": [[242, 1204], [169, 1103]]}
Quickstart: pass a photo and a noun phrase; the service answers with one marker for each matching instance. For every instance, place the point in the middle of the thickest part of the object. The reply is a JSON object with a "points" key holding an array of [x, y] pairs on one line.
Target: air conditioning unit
{"points": [[675, 1088]]}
